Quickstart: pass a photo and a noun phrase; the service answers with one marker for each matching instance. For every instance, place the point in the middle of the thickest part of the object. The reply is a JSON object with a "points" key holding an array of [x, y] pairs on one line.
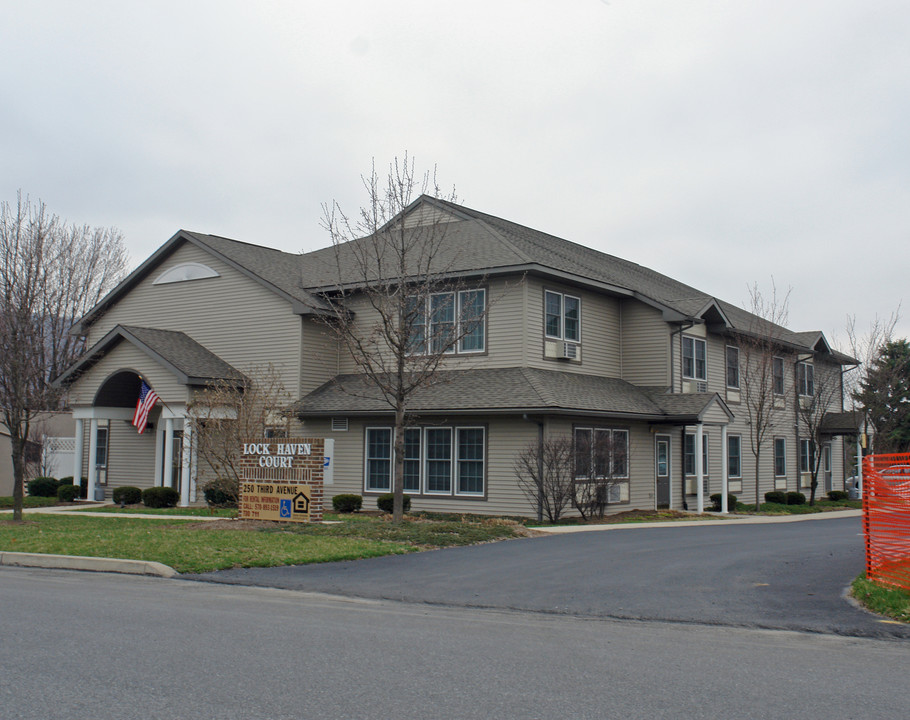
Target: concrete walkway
{"points": [[721, 520], [77, 511]]}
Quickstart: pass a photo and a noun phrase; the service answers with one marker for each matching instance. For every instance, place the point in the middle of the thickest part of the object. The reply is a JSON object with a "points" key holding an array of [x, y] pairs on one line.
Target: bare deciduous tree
{"points": [[228, 413], [816, 399], [545, 475], [414, 307], [599, 464], [51, 273], [762, 369]]}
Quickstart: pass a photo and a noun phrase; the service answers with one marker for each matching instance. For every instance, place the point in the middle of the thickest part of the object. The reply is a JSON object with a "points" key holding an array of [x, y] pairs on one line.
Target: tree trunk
{"points": [[18, 451], [757, 473], [398, 474]]}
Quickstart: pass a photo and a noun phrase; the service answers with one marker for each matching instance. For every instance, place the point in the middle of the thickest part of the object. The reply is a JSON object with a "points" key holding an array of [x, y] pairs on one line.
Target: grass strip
{"points": [[142, 510], [191, 547], [6, 502], [890, 602]]}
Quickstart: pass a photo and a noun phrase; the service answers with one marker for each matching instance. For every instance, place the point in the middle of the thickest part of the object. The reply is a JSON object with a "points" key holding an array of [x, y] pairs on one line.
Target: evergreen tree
{"points": [[884, 393]]}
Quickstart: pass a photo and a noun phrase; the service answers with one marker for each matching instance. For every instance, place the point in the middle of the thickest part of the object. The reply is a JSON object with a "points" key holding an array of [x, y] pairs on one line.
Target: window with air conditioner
{"points": [[694, 358]]}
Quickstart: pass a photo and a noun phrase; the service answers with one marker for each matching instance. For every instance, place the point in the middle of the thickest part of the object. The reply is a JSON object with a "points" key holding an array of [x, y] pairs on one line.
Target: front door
{"points": [[662, 467], [826, 467]]}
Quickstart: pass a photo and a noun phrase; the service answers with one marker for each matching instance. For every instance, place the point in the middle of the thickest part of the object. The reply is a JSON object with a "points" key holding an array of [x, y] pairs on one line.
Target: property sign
{"points": [[275, 501], [282, 480]]}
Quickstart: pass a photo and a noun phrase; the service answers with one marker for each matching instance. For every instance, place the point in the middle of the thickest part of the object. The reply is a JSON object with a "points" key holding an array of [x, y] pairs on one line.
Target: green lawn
{"points": [[142, 510], [6, 502], [189, 546], [890, 602]]}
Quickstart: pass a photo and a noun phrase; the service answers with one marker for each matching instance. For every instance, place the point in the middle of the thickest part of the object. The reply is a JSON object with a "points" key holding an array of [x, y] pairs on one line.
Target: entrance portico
{"points": [[104, 388]]}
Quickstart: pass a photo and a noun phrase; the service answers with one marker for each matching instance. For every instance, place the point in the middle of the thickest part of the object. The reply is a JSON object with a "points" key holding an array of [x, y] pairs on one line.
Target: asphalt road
{"points": [[89, 646], [789, 576]]}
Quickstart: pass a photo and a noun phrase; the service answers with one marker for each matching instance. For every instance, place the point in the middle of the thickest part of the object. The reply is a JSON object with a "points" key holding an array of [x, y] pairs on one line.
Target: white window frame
{"points": [[694, 357], [454, 459], [458, 323], [366, 458], [613, 432], [775, 361], [805, 378], [808, 456], [738, 455], [727, 366], [783, 456], [562, 316], [704, 455]]}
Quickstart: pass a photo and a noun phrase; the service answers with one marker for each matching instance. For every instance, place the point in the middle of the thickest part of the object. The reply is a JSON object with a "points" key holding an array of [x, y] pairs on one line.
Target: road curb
{"points": [[729, 521], [93, 564]]}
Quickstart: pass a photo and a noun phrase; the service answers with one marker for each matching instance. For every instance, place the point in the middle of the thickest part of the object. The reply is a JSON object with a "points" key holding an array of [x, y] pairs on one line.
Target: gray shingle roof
{"points": [[476, 242], [192, 363], [507, 390]]}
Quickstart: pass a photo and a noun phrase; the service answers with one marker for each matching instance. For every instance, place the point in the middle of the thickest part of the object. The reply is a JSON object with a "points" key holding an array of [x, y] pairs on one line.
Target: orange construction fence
{"points": [[886, 518]]}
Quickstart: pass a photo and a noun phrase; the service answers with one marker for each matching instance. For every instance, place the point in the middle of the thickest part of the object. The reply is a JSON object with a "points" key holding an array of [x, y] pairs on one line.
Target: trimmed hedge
{"points": [[795, 498], [127, 495], [347, 503], [221, 494], [160, 497], [386, 502], [837, 495], [776, 496], [717, 497], [43, 487], [68, 492]]}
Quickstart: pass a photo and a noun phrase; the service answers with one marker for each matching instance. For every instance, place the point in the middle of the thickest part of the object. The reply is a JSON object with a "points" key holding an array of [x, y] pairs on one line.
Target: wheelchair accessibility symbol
{"points": [[284, 509]]}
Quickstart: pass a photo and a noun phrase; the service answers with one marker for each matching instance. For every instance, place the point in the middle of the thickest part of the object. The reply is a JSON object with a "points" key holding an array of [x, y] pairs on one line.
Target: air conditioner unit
{"points": [[567, 351], [701, 386]]}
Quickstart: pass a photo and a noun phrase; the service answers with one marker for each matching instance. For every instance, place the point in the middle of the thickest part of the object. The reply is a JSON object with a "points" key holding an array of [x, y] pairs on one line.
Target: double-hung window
{"points": [[602, 454], [437, 460], [689, 454], [777, 375], [695, 358], [806, 455], [734, 456], [447, 322], [805, 378], [562, 316], [732, 367], [780, 457]]}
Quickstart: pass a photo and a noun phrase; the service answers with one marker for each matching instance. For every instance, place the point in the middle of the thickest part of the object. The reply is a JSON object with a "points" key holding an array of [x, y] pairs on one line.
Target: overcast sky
{"points": [[721, 143]]}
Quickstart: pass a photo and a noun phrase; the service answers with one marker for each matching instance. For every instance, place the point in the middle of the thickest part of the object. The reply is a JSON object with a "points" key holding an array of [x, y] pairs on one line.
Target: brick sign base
{"points": [[282, 479]]}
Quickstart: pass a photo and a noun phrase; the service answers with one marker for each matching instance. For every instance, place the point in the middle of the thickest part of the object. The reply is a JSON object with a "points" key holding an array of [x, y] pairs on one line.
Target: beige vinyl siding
{"points": [[645, 345], [600, 331], [319, 355], [232, 315], [505, 340], [131, 457], [126, 356]]}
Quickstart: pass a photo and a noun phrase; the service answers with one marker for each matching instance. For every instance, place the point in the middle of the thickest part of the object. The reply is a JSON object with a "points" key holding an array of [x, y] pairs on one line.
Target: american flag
{"points": [[147, 400]]}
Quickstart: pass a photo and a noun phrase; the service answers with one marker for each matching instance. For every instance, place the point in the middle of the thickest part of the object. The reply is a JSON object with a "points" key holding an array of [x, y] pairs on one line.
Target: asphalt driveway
{"points": [[785, 576]]}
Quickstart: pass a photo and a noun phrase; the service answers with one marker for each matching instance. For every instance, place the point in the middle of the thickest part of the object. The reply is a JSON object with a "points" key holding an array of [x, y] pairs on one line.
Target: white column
{"points": [[159, 456], [725, 468], [77, 453], [168, 452], [92, 458], [187, 484], [700, 466]]}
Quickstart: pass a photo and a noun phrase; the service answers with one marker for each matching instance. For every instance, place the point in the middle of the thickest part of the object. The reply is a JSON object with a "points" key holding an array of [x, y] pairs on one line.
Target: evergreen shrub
{"points": [[776, 496], [796, 498], [347, 503], [127, 495], [160, 497], [386, 502], [43, 487]]}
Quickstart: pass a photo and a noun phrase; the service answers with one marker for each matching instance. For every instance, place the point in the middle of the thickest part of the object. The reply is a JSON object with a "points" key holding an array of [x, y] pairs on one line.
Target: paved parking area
{"points": [[789, 575]]}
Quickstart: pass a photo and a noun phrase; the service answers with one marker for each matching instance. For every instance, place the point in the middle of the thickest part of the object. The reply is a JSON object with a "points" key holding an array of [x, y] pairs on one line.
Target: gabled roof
{"points": [[511, 391], [192, 363], [484, 245], [275, 270]]}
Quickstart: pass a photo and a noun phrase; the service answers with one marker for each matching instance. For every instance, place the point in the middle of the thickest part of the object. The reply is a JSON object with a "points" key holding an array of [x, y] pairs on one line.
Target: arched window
{"points": [[184, 272]]}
